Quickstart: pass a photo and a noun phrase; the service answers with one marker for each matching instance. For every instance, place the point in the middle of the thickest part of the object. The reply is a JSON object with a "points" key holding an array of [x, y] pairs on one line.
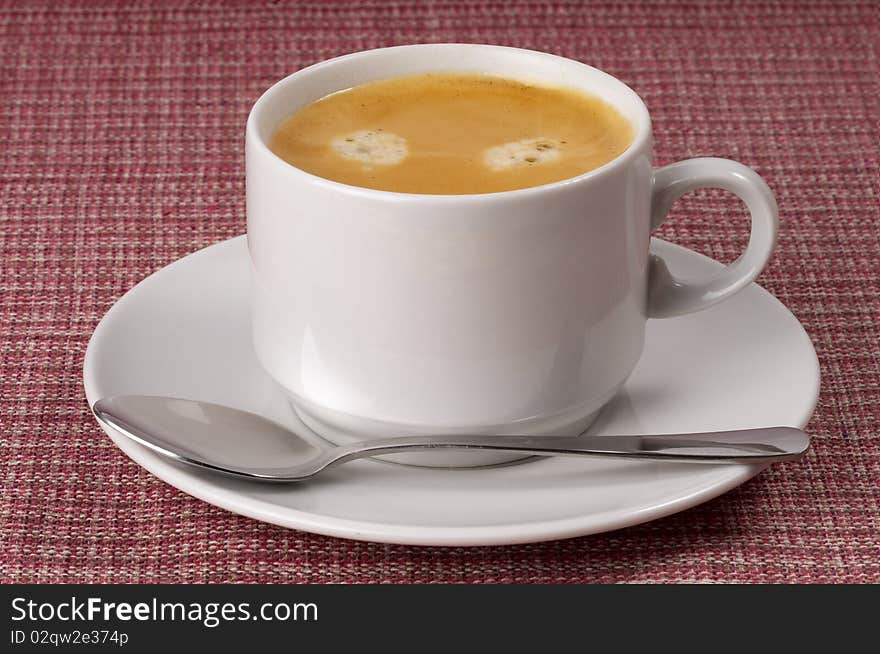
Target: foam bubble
{"points": [[372, 146], [525, 152]]}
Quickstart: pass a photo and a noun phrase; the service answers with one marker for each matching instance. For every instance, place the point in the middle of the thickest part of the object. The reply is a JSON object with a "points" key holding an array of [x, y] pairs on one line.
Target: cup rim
{"points": [[642, 125]]}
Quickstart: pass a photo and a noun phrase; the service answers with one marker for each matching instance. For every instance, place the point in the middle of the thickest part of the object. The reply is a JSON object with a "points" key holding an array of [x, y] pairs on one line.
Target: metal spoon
{"points": [[243, 444]]}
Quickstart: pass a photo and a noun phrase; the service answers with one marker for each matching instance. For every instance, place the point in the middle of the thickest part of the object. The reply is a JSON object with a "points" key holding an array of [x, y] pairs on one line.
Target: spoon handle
{"points": [[764, 445]]}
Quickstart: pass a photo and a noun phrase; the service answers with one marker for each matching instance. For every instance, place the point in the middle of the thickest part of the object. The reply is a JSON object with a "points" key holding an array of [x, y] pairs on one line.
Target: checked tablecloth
{"points": [[121, 126]]}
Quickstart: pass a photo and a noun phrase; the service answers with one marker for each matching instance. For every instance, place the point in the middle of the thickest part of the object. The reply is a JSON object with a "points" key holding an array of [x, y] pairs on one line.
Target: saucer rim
{"points": [[216, 493]]}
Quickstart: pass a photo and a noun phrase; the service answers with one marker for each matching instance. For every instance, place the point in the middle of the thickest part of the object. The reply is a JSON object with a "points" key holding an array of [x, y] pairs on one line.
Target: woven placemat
{"points": [[122, 134]]}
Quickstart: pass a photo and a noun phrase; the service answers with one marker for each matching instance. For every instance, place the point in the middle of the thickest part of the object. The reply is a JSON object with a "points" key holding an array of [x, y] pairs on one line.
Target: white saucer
{"points": [[184, 331]]}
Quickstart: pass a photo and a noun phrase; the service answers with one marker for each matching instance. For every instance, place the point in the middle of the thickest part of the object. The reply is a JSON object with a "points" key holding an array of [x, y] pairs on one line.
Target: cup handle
{"points": [[668, 296]]}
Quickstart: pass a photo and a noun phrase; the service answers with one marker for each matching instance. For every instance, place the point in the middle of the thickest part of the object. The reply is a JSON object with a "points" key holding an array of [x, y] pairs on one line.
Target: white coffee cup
{"points": [[521, 312]]}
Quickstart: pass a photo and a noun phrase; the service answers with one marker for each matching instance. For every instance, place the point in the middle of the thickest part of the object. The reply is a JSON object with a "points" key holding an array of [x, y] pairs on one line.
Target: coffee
{"points": [[451, 133]]}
